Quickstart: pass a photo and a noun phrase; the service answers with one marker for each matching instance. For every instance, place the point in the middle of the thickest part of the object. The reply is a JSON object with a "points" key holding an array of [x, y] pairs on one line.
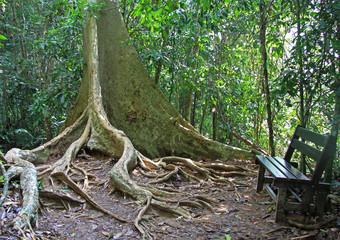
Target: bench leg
{"points": [[281, 204], [260, 179], [320, 202], [307, 199]]}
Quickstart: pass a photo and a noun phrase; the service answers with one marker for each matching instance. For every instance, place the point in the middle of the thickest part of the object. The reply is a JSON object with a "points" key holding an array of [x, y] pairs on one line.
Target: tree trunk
{"points": [[120, 112], [263, 27], [160, 61], [187, 101], [193, 112], [336, 121], [301, 82], [202, 120], [215, 123]]}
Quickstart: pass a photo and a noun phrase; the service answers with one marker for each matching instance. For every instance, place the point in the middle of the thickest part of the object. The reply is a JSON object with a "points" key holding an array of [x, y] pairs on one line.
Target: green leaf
{"points": [[165, 34], [40, 185], [2, 37], [206, 5], [24, 131], [227, 237], [336, 44], [137, 12], [158, 12]]}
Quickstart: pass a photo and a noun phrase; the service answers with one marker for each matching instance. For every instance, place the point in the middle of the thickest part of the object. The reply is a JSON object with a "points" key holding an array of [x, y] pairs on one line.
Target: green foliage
{"points": [[41, 68], [204, 55], [41, 184], [212, 48], [2, 37], [227, 237]]}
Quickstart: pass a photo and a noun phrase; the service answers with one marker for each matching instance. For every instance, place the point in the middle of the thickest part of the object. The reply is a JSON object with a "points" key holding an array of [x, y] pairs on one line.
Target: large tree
{"points": [[119, 112]]}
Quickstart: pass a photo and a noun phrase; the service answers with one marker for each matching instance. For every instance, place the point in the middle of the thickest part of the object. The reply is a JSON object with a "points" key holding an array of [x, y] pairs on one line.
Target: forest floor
{"points": [[238, 211]]}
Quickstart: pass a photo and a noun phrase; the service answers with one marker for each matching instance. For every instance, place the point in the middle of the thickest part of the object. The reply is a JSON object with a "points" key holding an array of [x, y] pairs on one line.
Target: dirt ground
{"points": [[238, 211]]}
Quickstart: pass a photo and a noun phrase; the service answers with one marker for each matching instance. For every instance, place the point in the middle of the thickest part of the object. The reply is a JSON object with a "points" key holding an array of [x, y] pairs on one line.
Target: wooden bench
{"points": [[290, 189]]}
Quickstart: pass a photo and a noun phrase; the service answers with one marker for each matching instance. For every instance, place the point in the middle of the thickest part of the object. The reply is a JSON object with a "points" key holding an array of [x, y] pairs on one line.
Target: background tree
{"points": [[41, 69], [264, 9]]}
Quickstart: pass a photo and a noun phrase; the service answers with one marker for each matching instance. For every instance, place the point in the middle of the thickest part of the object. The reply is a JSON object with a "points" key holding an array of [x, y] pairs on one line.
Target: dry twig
{"points": [[311, 226]]}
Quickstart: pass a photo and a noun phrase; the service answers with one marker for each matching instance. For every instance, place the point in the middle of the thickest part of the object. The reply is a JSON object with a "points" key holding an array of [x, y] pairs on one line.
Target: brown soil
{"points": [[238, 211]]}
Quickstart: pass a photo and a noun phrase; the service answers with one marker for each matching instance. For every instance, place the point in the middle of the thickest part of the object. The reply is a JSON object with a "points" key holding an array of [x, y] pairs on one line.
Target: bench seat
{"points": [[283, 179]]}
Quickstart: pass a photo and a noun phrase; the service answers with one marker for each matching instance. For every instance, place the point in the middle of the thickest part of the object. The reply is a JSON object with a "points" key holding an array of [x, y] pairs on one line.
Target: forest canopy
{"points": [[205, 56]]}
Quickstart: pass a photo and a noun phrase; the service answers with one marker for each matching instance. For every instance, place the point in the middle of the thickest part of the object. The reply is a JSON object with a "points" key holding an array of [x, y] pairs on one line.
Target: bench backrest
{"points": [[327, 144]]}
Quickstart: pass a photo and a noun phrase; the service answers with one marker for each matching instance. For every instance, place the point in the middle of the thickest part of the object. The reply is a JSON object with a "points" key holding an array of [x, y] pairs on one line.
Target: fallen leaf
{"points": [[107, 234], [118, 235], [10, 203]]}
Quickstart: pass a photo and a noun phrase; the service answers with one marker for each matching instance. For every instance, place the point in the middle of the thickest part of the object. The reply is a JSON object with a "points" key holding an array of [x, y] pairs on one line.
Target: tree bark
{"points": [[336, 119], [263, 27], [160, 61], [301, 81]]}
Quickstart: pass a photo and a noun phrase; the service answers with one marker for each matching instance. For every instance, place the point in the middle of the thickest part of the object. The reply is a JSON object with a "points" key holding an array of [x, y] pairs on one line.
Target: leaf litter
{"points": [[237, 211]]}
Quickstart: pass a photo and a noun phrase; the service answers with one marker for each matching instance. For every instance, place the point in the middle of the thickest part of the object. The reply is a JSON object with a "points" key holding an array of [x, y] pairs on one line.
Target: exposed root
{"points": [[221, 166], [6, 182], [187, 162], [28, 183], [166, 177], [146, 234], [86, 176], [205, 204], [63, 164], [229, 174], [165, 207], [61, 142], [55, 195], [160, 198], [161, 193], [63, 177], [311, 226], [146, 163], [310, 235], [190, 204], [164, 199], [152, 174], [333, 197]]}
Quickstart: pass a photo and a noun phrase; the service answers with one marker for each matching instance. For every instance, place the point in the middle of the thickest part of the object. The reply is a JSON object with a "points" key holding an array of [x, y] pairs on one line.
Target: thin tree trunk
{"points": [[202, 121], [301, 82], [47, 126], [263, 27], [188, 105], [219, 76], [215, 123], [160, 62], [187, 110], [336, 125], [15, 18], [192, 122], [5, 102]]}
